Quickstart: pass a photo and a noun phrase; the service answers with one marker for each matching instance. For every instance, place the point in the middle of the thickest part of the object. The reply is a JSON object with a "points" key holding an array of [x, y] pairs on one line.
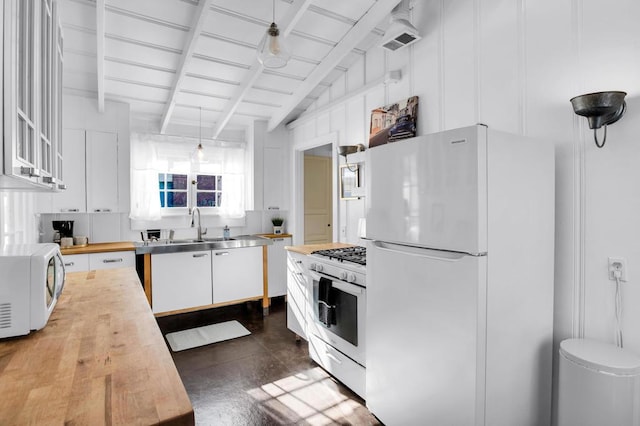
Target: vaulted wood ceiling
{"points": [[169, 58]]}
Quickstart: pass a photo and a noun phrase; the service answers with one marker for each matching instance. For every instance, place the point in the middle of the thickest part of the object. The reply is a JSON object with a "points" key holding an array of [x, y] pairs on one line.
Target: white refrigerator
{"points": [[460, 279]]}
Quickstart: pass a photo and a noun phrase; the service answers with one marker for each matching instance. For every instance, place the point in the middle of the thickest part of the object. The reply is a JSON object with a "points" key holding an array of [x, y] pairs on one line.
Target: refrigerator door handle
{"points": [[444, 255]]}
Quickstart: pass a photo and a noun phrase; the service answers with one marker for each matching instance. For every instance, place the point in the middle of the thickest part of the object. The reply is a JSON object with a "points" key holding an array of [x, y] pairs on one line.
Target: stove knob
{"points": [[343, 276], [312, 266], [352, 278], [319, 268]]}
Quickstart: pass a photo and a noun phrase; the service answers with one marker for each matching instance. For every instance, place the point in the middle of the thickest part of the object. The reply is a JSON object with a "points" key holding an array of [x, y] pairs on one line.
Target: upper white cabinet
{"points": [[274, 184], [73, 199], [31, 76], [102, 176], [92, 174]]}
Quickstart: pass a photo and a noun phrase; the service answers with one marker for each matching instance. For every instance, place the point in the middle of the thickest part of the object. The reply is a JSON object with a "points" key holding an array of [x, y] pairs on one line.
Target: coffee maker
{"points": [[62, 229]]}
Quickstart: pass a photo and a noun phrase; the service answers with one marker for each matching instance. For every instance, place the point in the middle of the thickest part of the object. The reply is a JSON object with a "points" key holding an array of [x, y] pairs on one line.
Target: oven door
{"points": [[346, 332]]}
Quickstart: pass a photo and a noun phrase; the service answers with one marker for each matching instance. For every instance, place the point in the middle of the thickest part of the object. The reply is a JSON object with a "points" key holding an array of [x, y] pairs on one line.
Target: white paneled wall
{"points": [[514, 65], [18, 220]]}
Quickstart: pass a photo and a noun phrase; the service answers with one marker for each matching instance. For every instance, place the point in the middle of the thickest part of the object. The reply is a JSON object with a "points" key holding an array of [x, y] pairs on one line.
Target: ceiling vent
{"points": [[401, 32]]}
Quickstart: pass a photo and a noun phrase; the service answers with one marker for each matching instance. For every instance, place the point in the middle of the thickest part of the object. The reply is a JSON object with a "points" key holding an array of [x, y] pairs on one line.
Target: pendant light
{"points": [[272, 51], [200, 149]]}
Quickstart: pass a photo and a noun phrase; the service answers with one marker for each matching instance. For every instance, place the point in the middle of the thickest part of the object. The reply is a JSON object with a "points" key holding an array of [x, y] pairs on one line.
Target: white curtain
{"points": [[153, 154], [145, 200]]}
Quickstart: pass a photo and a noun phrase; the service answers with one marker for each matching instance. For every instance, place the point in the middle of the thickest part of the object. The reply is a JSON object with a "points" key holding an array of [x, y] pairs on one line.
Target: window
{"points": [[208, 190], [173, 190], [166, 180]]}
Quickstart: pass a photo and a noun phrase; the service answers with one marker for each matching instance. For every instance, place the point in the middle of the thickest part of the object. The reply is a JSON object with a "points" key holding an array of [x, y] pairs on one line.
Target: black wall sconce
{"points": [[601, 109]]}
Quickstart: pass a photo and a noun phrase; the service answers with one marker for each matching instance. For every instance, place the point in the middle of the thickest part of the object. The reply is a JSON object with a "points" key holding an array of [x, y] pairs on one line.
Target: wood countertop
{"points": [[310, 248], [99, 248], [101, 359], [275, 236]]}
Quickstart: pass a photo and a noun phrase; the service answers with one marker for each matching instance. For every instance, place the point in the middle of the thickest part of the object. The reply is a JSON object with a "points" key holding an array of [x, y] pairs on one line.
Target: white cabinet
{"points": [[93, 261], [274, 182], [29, 77], [102, 176], [297, 293], [180, 280], [91, 173], [73, 199], [277, 266], [112, 260], [237, 274], [76, 262]]}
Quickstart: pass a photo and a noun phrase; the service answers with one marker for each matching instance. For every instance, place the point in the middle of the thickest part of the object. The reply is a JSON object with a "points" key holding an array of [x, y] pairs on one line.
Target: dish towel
{"points": [[326, 303]]}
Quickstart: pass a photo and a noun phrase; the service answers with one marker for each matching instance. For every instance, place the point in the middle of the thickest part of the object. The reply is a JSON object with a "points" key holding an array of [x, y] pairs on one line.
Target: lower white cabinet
{"points": [[76, 262], [277, 266], [180, 280], [112, 260], [297, 293], [93, 261], [237, 274]]}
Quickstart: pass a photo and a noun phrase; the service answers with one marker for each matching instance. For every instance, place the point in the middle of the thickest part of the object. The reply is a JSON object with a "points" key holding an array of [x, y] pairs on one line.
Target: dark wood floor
{"points": [[266, 378]]}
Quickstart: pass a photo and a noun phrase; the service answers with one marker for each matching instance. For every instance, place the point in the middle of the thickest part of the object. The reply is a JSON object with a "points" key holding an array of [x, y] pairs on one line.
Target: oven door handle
{"points": [[339, 284]]}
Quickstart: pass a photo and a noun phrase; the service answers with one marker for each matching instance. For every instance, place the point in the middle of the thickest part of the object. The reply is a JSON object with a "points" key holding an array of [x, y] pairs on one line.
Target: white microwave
{"points": [[31, 280]]}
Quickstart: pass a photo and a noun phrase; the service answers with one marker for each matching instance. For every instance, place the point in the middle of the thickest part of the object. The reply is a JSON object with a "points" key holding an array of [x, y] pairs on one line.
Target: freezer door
{"points": [[425, 311], [430, 191]]}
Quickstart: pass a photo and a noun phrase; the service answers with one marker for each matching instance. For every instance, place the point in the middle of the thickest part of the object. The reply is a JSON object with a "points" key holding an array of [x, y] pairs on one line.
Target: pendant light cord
{"points": [[274, 11]]}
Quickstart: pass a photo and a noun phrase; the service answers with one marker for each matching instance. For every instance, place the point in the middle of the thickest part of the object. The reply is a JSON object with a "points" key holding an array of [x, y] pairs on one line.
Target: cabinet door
{"points": [[20, 131], [237, 274], [102, 176], [112, 260], [76, 262], [180, 280], [273, 179], [297, 293], [73, 199], [277, 270]]}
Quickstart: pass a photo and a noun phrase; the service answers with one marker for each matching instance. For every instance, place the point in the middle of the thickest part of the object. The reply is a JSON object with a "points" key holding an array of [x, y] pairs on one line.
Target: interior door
{"points": [[318, 207]]}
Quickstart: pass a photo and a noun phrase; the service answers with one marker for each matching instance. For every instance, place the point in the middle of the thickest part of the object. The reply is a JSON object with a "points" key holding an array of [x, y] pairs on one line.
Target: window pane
{"points": [[206, 182], [219, 198], [206, 199], [176, 199], [176, 181], [162, 200], [219, 183], [161, 181]]}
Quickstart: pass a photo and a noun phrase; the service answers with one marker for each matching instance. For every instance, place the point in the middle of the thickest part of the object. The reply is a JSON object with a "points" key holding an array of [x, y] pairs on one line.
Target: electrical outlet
{"points": [[618, 264]]}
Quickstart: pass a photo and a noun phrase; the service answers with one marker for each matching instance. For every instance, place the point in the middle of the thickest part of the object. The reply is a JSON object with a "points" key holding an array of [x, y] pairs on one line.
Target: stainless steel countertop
{"points": [[177, 246]]}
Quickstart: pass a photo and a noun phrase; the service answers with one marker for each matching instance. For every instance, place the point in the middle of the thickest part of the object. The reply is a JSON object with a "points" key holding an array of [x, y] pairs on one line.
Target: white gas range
{"points": [[337, 320]]}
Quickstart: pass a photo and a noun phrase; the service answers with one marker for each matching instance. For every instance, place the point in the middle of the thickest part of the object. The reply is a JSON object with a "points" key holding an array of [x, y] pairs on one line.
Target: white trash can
{"points": [[599, 385]]}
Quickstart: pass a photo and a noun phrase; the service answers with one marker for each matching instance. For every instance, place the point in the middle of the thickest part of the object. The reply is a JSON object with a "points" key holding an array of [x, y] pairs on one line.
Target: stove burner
{"points": [[355, 254]]}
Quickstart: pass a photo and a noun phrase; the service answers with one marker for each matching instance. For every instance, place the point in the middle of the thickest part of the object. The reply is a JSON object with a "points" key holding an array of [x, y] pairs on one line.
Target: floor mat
{"points": [[200, 336]]}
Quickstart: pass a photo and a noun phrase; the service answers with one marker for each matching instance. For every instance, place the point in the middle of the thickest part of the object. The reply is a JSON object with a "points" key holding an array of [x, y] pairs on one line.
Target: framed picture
{"points": [[349, 179], [390, 123]]}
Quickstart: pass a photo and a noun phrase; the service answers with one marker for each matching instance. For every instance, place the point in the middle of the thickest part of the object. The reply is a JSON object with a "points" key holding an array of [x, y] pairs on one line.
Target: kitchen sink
{"points": [[194, 240], [194, 244]]}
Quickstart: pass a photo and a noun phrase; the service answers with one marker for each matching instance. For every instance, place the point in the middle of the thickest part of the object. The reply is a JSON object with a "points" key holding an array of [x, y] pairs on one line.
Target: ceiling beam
{"points": [[100, 52], [196, 28], [294, 13], [366, 24]]}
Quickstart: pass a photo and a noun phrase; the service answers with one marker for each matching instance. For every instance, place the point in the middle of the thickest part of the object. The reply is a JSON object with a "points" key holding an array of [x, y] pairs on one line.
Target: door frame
{"points": [[297, 216]]}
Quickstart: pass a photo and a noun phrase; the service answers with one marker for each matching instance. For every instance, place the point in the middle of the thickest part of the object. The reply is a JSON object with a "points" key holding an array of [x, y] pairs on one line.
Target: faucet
{"points": [[193, 214]]}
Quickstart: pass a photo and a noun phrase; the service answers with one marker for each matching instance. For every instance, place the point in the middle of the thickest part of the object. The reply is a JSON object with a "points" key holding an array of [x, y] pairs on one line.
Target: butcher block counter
{"points": [[100, 360], [307, 249], [99, 248]]}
